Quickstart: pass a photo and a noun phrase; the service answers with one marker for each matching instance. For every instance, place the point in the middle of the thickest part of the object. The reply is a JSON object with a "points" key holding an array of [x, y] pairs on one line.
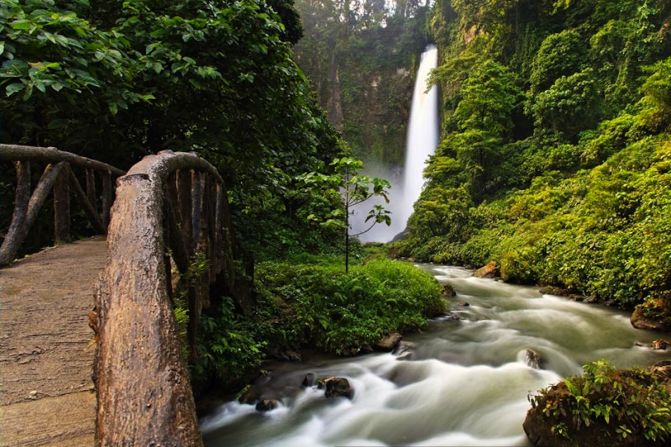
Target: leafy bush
{"points": [[560, 54], [228, 349], [606, 406], [320, 306]]}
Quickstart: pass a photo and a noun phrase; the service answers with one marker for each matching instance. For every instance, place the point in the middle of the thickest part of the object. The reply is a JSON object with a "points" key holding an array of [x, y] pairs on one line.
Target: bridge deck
{"points": [[47, 348]]}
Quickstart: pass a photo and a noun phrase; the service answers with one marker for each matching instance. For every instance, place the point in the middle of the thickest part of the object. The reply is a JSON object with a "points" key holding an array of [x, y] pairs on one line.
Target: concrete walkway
{"points": [[47, 348]]}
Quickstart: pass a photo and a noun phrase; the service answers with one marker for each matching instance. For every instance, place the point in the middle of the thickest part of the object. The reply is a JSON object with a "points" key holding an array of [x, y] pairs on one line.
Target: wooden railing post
{"points": [[108, 194], [88, 206], [17, 229], [91, 186], [62, 208], [196, 205], [184, 196]]}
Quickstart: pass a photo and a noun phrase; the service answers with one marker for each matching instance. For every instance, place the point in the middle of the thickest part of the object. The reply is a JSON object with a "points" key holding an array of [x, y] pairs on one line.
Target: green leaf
{"points": [[21, 24], [14, 88]]}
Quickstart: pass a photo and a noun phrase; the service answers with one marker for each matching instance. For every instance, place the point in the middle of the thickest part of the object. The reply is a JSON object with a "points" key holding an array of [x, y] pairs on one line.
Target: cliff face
{"points": [[361, 64]]}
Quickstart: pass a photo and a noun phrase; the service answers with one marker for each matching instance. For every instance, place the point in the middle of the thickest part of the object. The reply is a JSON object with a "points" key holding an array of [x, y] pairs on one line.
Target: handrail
{"points": [[169, 207], [15, 152], [59, 177]]}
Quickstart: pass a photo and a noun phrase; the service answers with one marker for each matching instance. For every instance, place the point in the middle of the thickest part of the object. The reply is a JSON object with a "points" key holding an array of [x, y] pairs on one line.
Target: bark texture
{"points": [[144, 394]]}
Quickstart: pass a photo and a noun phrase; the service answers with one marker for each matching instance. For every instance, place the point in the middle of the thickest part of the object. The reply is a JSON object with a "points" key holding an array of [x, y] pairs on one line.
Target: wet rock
{"points": [[366, 349], [407, 355], [267, 405], [491, 270], [567, 293], [388, 342], [336, 387], [659, 345], [309, 380], [589, 299], [533, 359], [465, 304], [293, 356], [404, 351], [288, 356], [654, 314], [662, 369], [248, 395], [450, 316], [448, 291]]}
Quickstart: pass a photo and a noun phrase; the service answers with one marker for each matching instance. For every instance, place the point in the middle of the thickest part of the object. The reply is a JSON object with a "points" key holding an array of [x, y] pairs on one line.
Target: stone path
{"points": [[47, 348]]}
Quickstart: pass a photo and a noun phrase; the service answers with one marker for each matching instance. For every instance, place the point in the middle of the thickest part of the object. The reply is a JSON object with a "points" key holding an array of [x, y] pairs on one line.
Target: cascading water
{"points": [[420, 144], [459, 383]]}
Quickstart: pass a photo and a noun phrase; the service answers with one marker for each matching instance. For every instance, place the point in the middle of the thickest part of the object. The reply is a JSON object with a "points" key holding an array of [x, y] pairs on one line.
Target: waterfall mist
{"points": [[421, 142]]}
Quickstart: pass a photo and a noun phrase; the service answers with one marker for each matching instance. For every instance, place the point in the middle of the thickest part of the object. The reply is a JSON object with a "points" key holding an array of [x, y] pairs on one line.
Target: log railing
{"points": [[171, 208], [59, 177]]}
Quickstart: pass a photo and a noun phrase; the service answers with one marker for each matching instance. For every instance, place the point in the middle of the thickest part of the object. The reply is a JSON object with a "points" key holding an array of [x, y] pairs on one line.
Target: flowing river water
{"points": [[458, 383]]}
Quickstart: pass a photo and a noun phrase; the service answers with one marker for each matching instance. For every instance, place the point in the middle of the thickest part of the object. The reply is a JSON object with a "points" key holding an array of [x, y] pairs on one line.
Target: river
{"points": [[458, 383]]}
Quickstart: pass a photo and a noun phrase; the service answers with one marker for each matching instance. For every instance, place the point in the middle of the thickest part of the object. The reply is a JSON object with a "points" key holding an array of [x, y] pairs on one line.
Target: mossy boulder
{"points": [[654, 314], [490, 270], [605, 407]]}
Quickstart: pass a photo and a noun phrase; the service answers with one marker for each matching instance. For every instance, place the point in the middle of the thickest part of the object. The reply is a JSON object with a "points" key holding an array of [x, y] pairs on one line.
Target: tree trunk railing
{"points": [[58, 176], [170, 214]]}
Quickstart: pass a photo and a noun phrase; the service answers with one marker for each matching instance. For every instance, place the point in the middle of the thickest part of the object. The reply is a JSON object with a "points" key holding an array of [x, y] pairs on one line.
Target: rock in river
{"points": [[388, 342], [533, 359], [491, 270], [336, 387], [267, 405]]}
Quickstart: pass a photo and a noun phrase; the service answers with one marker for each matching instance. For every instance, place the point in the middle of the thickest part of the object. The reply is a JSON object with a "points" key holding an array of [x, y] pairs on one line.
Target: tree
{"points": [[217, 78], [560, 54], [354, 189], [570, 105]]}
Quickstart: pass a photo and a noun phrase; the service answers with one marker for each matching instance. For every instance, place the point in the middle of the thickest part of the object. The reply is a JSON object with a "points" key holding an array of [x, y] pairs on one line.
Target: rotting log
{"points": [[144, 393]]}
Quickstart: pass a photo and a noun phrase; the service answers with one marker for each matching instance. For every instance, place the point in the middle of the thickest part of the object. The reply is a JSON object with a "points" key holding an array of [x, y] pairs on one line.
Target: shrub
{"points": [[320, 306], [605, 406]]}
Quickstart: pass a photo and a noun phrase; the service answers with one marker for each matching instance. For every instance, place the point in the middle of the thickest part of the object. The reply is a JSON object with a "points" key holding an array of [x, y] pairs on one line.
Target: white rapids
{"points": [[459, 383]]}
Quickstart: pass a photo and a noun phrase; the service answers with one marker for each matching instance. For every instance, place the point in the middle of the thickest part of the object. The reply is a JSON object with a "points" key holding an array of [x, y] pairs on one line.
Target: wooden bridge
{"points": [[125, 382]]}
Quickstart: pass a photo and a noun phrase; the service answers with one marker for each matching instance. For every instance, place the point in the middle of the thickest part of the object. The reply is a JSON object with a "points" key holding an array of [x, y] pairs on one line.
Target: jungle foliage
{"points": [[556, 145], [116, 80], [361, 57]]}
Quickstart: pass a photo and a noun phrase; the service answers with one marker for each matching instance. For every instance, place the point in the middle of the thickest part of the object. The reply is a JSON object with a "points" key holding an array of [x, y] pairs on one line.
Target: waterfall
{"points": [[421, 142]]}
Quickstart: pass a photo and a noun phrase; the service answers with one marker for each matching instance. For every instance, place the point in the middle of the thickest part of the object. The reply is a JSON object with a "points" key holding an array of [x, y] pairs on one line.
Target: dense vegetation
{"points": [[116, 80], [361, 58], [309, 302], [556, 152], [604, 407]]}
